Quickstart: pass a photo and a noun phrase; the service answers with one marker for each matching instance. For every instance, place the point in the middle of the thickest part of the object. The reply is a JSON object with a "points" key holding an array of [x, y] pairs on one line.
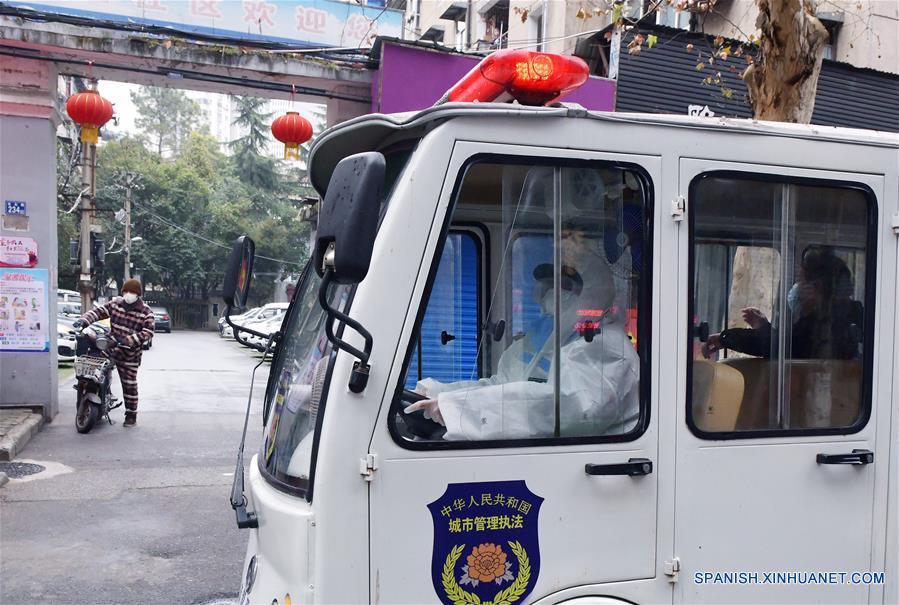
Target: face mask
{"points": [[793, 299], [546, 303], [130, 297]]}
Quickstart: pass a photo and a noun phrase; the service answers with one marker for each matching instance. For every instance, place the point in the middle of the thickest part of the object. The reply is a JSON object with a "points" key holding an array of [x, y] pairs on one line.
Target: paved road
{"points": [[138, 515]]}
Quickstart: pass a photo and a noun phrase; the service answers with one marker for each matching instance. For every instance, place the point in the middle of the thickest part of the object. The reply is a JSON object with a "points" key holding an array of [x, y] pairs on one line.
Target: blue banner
{"points": [[311, 23]]}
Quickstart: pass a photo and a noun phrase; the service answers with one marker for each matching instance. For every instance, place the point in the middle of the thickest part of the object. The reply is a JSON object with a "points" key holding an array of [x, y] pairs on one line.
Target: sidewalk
{"points": [[17, 427]]}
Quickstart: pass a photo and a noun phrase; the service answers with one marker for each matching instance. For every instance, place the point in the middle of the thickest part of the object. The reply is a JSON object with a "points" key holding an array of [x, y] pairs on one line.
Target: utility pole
{"points": [[129, 181], [128, 229], [88, 206]]}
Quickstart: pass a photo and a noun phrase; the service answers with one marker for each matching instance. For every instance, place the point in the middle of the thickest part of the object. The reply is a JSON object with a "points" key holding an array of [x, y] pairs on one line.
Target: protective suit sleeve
{"points": [[432, 388], [508, 370], [515, 410], [599, 395]]}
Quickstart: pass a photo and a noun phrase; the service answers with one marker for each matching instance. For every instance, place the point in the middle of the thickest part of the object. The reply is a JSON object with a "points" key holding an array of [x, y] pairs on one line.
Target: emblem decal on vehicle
{"points": [[486, 548]]}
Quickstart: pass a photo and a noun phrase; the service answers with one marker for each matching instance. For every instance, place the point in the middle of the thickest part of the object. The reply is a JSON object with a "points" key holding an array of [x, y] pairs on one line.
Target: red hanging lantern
{"points": [[293, 130], [90, 111]]}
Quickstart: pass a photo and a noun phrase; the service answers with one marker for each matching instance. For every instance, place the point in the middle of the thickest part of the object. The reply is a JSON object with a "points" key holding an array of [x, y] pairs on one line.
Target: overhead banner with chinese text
{"points": [[301, 22]]}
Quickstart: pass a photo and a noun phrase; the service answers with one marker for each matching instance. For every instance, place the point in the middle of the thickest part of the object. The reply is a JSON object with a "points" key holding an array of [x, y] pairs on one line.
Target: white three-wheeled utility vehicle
{"points": [[547, 355]]}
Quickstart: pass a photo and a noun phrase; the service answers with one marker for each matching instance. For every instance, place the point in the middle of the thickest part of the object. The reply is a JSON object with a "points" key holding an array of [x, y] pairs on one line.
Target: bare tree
{"points": [[784, 53], [783, 80]]}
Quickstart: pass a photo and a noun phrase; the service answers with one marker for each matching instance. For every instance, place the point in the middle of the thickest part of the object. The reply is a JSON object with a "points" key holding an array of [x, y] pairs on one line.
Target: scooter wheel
{"points": [[86, 415]]}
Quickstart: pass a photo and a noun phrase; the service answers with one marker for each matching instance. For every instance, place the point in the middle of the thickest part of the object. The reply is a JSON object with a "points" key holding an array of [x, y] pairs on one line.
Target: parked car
{"points": [[245, 315], [67, 296], [162, 319], [266, 312], [69, 309], [65, 343], [265, 327]]}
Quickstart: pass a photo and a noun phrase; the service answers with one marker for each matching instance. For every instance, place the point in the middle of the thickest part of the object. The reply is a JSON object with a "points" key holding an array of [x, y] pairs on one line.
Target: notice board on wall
{"points": [[24, 310]]}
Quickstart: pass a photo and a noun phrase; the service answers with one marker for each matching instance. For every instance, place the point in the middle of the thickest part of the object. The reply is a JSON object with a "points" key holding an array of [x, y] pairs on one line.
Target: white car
{"points": [[225, 329], [223, 324], [264, 313], [265, 327], [65, 343]]}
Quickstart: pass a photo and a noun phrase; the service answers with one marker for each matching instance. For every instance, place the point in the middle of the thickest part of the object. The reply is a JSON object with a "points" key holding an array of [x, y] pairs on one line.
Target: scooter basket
{"points": [[93, 368]]}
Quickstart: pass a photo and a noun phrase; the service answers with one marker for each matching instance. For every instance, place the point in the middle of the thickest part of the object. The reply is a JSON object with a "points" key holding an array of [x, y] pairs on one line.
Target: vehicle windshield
{"points": [[295, 394], [297, 382]]}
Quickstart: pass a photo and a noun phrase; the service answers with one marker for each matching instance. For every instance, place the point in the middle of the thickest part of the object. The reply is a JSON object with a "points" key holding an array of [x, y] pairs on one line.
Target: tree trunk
{"points": [[783, 81]]}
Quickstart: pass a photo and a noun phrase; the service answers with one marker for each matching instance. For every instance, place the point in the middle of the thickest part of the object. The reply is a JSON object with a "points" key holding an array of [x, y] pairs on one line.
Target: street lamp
{"points": [[124, 246]]}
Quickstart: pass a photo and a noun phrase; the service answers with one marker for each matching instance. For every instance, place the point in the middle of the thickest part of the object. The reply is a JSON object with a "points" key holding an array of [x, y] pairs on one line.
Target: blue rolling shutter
{"points": [[452, 307]]}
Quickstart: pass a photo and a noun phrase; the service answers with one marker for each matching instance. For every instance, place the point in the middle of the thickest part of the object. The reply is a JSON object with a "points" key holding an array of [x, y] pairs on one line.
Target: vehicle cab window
{"points": [[561, 348], [781, 306]]}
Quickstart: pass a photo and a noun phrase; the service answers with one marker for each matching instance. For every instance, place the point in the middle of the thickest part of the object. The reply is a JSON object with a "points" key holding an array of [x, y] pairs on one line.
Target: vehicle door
{"points": [[783, 388], [530, 329]]}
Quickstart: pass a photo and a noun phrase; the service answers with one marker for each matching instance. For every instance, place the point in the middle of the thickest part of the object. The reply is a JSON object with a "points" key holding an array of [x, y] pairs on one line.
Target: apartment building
{"points": [[863, 32]]}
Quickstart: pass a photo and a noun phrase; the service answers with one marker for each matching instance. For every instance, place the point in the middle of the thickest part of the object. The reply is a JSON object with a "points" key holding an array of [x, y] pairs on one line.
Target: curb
{"points": [[19, 436]]}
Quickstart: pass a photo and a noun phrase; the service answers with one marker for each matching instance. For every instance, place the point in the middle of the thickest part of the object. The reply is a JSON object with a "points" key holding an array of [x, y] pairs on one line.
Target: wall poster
{"points": [[24, 310], [18, 252]]}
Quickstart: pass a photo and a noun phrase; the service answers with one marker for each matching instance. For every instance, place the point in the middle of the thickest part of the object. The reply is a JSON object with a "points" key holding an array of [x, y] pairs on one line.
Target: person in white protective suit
{"points": [[599, 391]]}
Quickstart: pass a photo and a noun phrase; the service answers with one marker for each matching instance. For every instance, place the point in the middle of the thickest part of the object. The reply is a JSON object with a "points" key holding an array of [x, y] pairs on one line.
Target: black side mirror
{"points": [[236, 286], [347, 224], [348, 217]]}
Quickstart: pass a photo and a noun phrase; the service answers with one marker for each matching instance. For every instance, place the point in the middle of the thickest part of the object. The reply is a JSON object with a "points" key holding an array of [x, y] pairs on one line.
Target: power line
{"points": [[372, 24], [206, 239]]}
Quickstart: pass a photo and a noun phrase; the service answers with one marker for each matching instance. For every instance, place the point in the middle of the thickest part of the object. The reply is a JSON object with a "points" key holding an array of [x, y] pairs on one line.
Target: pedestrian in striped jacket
{"points": [[132, 326]]}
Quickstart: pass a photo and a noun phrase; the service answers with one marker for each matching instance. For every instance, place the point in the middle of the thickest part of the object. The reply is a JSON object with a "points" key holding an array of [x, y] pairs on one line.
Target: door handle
{"points": [[633, 467], [856, 457]]}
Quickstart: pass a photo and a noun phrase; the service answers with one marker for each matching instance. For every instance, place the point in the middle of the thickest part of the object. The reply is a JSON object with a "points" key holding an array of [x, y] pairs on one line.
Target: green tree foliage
{"points": [[189, 209], [68, 181], [190, 203], [167, 116], [253, 168]]}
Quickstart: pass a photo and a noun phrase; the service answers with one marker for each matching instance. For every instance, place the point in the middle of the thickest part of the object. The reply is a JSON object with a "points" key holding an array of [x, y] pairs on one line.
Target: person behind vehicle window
{"points": [[599, 368], [132, 326], [825, 319]]}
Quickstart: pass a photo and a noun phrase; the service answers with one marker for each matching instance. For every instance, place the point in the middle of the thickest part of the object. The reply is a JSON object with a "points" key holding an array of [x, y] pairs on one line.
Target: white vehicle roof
{"points": [[276, 306], [372, 131]]}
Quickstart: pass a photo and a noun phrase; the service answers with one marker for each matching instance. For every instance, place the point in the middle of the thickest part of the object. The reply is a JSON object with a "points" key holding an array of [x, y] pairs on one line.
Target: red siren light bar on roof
{"points": [[531, 78]]}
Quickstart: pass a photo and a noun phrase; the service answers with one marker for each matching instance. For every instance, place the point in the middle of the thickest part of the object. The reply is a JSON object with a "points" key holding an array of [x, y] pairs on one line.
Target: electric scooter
{"points": [[93, 374]]}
